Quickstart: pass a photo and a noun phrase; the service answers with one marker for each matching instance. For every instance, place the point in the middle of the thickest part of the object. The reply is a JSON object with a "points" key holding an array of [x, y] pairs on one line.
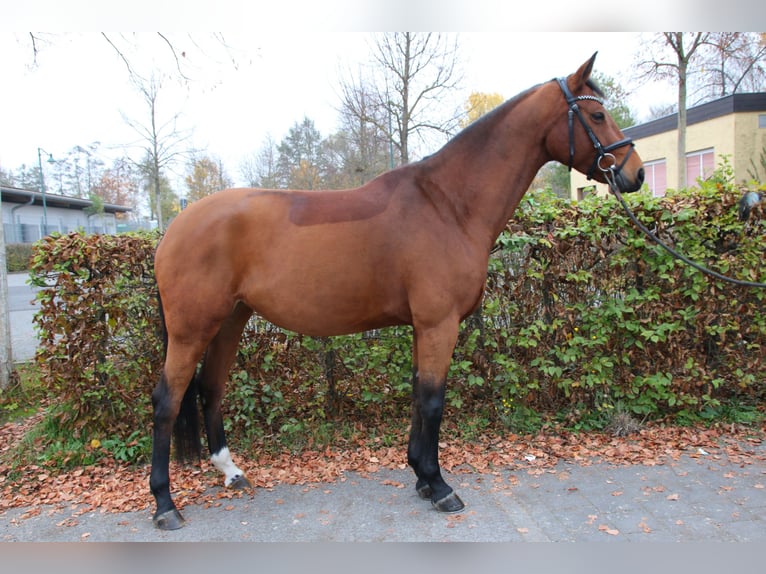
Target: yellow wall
{"points": [[750, 142], [735, 135]]}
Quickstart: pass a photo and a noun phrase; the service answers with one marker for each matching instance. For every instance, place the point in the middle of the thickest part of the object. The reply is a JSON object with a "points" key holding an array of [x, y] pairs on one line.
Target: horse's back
{"points": [[315, 262]]}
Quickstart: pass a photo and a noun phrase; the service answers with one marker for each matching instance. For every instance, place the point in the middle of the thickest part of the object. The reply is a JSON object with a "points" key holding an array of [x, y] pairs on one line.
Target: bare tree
{"points": [[403, 95], [120, 184], [260, 168], [371, 148], [733, 62], [161, 141], [661, 110], [668, 56], [186, 54]]}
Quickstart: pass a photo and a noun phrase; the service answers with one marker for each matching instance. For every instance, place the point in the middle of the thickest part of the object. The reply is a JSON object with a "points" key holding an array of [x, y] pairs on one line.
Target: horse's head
{"points": [[585, 136]]}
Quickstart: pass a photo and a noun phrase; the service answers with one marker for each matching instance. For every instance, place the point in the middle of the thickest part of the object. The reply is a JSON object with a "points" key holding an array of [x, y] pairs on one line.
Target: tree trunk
{"points": [[404, 132], [156, 178], [682, 69], [6, 348]]}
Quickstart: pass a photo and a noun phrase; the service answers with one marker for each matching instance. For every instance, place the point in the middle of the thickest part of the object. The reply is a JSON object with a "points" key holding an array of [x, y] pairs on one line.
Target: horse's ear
{"points": [[582, 74]]}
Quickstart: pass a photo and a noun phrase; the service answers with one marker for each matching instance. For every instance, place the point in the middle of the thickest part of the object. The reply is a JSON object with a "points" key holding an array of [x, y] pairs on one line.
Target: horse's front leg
{"points": [[431, 356], [215, 367]]}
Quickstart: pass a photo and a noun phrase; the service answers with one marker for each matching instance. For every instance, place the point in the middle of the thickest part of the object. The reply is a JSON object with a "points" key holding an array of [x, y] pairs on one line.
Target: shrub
{"points": [[99, 333], [17, 256], [588, 313], [582, 317]]}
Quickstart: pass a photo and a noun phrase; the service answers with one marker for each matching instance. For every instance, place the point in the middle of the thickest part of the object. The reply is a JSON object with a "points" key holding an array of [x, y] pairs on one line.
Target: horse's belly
{"points": [[324, 299]]}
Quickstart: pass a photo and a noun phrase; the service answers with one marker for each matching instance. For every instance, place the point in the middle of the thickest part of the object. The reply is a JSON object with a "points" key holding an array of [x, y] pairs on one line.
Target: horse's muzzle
{"points": [[627, 185]]}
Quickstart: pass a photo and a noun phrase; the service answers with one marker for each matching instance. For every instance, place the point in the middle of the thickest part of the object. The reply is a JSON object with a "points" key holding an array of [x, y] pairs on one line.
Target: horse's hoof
{"points": [[449, 504], [424, 490], [170, 520], [240, 482]]}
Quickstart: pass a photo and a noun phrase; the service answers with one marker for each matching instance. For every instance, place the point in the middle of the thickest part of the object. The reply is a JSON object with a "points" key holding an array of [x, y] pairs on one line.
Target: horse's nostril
{"points": [[640, 176]]}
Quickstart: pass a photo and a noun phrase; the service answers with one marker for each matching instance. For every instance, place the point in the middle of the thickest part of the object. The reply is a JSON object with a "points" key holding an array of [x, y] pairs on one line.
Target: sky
{"points": [[249, 86], [284, 61]]}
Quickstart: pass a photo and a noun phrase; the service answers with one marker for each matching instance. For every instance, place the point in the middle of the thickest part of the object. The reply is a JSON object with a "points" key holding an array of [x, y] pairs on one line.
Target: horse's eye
{"points": [[598, 116]]}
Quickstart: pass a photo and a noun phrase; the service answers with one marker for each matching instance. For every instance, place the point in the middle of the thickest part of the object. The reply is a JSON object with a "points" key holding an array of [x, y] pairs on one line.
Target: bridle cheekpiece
{"points": [[602, 152]]}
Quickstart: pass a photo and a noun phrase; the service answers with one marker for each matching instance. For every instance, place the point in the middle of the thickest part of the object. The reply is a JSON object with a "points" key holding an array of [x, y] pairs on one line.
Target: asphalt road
{"points": [[22, 309], [698, 498]]}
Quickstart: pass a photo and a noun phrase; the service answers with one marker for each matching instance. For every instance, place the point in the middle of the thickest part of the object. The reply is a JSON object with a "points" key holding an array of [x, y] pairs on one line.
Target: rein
{"points": [[673, 252], [611, 172]]}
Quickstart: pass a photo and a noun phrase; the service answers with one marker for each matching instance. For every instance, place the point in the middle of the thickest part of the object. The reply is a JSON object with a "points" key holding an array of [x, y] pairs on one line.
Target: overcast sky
{"points": [[288, 63], [79, 91]]}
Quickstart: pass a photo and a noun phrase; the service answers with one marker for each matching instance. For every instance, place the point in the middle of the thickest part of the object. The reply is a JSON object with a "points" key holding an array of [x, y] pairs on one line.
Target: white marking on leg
{"points": [[222, 461]]}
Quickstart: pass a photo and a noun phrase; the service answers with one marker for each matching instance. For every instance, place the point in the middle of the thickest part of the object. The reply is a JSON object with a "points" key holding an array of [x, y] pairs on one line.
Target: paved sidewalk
{"points": [[22, 310], [700, 497]]}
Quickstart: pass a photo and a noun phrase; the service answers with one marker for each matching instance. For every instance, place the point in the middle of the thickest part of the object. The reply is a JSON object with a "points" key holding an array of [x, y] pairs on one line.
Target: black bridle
{"points": [[610, 174], [611, 171]]}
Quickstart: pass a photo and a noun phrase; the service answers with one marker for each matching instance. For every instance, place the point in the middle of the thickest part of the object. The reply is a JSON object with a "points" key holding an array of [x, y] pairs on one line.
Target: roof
{"points": [[735, 103], [18, 195]]}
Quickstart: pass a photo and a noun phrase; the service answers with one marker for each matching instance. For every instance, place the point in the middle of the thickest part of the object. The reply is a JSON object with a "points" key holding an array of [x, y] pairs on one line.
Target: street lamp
{"points": [[42, 185]]}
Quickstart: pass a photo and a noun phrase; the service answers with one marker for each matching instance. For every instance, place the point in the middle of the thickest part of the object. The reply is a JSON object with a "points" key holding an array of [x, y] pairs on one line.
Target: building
{"points": [[25, 213], [733, 126]]}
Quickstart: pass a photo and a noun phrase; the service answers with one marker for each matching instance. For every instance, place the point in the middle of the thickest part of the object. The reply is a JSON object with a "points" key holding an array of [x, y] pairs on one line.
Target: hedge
{"points": [[17, 256], [582, 317]]}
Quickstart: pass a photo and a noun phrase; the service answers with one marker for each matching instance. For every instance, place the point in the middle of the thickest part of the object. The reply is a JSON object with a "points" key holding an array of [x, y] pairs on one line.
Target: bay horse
{"points": [[410, 247]]}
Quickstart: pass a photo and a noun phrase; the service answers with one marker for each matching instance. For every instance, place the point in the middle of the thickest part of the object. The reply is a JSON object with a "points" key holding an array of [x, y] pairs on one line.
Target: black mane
{"points": [[594, 86]]}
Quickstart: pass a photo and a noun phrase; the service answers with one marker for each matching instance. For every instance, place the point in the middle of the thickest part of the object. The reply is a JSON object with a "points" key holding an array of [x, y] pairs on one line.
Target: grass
{"points": [[24, 396]]}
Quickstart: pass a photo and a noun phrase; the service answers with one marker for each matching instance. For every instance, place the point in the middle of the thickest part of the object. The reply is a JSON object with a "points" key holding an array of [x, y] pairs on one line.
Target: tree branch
{"points": [[121, 55]]}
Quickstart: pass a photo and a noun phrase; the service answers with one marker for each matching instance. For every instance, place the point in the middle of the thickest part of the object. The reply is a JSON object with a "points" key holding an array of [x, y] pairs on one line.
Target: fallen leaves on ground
{"points": [[116, 487], [610, 531]]}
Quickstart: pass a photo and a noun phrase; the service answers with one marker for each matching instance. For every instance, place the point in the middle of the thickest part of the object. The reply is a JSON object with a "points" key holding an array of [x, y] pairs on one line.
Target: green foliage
{"points": [[136, 447], [583, 319], [602, 317], [17, 256], [24, 394], [616, 96]]}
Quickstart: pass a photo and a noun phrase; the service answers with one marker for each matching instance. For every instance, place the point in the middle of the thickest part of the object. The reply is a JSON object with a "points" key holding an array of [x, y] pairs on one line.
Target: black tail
{"points": [[186, 430], [163, 326], [186, 433]]}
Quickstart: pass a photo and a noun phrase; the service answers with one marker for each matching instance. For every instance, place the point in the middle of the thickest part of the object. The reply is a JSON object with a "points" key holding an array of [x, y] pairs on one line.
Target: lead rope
{"points": [[609, 174]]}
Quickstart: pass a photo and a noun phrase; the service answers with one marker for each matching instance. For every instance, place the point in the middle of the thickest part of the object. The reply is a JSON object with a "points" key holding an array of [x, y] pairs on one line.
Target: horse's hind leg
{"points": [[212, 382], [180, 365]]}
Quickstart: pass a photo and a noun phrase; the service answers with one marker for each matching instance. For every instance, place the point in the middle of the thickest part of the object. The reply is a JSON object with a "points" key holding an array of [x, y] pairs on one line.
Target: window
{"points": [[699, 165], [762, 120], [583, 192], [656, 177]]}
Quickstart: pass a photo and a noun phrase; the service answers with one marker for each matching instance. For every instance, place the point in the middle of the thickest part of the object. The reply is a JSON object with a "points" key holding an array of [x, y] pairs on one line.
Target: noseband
{"points": [[610, 171]]}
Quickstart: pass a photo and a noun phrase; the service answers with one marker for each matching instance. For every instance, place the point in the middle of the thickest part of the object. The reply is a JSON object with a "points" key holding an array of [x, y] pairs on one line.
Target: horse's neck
{"points": [[484, 172]]}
